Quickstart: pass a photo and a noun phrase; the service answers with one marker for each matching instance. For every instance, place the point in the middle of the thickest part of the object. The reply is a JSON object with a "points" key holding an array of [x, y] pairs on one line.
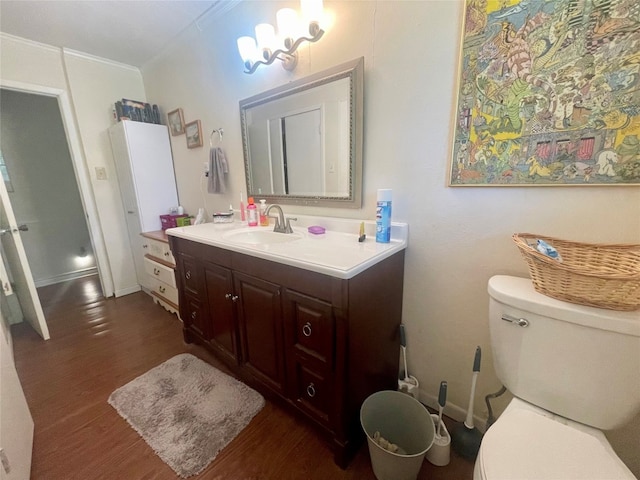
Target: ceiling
{"points": [[130, 32]]}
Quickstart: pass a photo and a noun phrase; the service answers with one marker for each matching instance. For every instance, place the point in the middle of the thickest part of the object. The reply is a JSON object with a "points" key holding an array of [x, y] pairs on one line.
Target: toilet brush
{"points": [[465, 439]]}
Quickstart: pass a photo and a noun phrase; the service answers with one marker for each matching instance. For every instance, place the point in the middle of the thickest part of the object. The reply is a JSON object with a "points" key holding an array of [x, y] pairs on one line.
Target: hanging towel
{"points": [[218, 169]]}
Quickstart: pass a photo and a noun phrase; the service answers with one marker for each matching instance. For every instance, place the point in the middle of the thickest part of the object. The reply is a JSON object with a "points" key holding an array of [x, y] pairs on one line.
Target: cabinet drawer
{"points": [[312, 392], [158, 249], [164, 290], [310, 326], [160, 272], [193, 316]]}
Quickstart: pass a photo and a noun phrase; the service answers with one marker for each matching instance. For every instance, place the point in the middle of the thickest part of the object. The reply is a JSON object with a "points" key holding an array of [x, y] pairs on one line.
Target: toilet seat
{"points": [[530, 443]]}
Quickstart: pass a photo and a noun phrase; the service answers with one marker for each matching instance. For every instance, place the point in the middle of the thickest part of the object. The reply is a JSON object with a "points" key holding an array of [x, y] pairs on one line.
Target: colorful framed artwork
{"points": [[548, 94], [176, 122], [193, 132]]}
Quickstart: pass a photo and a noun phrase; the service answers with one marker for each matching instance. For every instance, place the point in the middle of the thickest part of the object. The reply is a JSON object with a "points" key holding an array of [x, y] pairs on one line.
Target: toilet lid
{"points": [[527, 445]]}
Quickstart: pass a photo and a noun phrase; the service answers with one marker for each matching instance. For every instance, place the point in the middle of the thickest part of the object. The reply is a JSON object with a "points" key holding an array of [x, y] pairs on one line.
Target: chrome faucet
{"points": [[282, 225]]}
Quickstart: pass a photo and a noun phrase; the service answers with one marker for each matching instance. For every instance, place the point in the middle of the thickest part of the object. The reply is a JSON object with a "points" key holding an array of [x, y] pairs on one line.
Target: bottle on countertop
{"points": [[264, 220], [252, 213], [242, 215], [383, 216]]}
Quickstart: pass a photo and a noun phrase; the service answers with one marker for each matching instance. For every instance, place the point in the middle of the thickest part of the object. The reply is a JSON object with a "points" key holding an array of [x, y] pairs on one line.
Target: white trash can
{"points": [[404, 421]]}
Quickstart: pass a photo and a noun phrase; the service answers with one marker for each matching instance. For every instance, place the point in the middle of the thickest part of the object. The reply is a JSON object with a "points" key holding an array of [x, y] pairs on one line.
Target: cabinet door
{"points": [[221, 300], [260, 322]]}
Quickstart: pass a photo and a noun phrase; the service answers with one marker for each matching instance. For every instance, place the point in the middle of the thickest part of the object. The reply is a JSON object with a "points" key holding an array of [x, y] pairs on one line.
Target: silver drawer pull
{"points": [[194, 315], [234, 298], [311, 390], [228, 296], [188, 275], [521, 322], [306, 329]]}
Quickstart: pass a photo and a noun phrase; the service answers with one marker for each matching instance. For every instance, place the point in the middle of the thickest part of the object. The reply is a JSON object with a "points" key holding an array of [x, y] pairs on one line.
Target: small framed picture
{"points": [[194, 134], [176, 122]]}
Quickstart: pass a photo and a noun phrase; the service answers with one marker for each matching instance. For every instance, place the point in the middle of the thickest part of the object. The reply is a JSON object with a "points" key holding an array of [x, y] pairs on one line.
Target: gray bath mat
{"points": [[186, 411]]}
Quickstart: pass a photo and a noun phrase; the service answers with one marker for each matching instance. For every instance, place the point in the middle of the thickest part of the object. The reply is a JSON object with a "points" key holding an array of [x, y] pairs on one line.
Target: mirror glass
{"points": [[303, 141]]}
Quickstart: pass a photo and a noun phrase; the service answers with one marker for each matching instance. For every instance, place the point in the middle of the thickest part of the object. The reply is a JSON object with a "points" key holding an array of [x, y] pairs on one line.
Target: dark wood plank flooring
{"points": [[98, 345]]}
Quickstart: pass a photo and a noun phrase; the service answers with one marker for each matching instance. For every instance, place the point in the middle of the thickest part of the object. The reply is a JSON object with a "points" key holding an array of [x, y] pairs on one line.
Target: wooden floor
{"points": [[98, 345]]}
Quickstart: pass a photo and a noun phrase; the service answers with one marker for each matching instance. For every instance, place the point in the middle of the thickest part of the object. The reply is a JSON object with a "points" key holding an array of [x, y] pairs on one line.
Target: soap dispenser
{"points": [[252, 213], [264, 220]]}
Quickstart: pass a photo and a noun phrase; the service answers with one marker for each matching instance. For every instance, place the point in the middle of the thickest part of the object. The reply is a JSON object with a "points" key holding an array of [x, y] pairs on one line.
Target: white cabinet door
{"points": [[16, 427]]}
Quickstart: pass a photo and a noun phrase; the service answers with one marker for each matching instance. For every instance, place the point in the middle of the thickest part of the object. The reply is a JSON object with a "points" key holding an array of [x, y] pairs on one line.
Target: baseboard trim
{"points": [[85, 272]]}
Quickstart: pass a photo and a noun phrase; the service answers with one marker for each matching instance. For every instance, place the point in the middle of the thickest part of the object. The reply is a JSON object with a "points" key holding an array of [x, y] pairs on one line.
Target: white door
{"points": [[16, 427], [16, 260]]}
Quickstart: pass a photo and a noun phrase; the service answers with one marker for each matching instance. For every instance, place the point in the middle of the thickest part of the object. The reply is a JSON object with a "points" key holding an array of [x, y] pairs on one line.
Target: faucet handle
{"points": [[288, 228]]}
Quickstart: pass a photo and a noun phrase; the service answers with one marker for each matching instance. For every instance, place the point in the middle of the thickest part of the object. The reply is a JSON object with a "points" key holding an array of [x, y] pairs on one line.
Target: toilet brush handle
{"points": [[469, 420]]}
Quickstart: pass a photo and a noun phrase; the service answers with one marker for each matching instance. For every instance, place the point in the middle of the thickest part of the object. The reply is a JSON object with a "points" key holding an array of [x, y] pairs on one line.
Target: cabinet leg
{"points": [[343, 453], [187, 336]]}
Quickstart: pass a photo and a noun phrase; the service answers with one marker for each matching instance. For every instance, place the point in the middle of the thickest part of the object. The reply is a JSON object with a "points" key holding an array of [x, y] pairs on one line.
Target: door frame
{"points": [[81, 173]]}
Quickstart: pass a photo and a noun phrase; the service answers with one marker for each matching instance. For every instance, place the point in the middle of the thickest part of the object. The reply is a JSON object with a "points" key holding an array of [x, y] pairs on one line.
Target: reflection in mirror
{"points": [[303, 141]]}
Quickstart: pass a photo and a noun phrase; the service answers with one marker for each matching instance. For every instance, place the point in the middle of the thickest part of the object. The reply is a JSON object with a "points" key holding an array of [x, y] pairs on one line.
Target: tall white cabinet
{"points": [[144, 166]]}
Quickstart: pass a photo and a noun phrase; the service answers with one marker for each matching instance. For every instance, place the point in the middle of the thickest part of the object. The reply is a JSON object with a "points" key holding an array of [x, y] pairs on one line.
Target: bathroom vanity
{"points": [[311, 321]]}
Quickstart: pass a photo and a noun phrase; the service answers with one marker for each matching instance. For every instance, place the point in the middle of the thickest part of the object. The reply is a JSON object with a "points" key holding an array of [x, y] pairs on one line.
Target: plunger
{"points": [[465, 438]]}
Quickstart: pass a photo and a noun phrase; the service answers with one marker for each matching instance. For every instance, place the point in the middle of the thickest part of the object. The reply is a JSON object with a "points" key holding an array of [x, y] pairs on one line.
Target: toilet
{"points": [[574, 371]]}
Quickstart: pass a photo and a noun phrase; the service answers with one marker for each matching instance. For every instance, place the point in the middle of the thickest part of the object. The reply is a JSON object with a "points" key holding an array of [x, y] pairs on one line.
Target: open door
{"points": [[16, 428], [16, 261]]}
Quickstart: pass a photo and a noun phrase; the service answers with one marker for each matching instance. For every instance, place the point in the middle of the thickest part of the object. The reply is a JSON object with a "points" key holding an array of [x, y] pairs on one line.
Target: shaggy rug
{"points": [[187, 411]]}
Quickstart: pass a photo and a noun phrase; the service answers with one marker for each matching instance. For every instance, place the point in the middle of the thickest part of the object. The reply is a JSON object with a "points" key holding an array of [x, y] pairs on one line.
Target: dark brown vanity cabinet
{"points": [[317, 343]]}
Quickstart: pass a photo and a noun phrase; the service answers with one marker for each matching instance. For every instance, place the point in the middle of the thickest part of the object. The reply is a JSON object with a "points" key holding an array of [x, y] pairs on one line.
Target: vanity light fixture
{"points": [[293, 29]]}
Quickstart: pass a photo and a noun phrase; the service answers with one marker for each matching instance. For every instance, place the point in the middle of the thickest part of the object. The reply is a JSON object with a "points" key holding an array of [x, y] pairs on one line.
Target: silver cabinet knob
{"points": [[228, 296], [194, 315], [311, 390], [306, 329]]}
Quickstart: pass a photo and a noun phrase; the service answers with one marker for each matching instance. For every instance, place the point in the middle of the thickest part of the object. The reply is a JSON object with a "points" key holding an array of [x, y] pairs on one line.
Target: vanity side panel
{"points": [[373, 335]]}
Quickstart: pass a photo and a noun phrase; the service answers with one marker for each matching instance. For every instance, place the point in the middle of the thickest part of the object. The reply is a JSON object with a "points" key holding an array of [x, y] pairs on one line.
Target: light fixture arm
{"points": [[289, 58]]}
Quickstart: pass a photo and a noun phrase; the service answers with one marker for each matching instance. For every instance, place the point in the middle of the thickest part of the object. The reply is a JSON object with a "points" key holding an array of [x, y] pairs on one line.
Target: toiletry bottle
{"points": [[383, 216], [242, 215], [264, 220], [252, 213]]}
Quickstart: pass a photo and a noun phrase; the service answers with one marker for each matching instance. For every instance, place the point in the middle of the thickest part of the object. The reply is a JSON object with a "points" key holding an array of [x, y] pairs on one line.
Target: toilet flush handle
{"points": [[521, 322]]}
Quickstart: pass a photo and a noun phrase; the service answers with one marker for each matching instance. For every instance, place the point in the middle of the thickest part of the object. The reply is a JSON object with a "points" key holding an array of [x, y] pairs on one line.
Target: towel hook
{"points": [[220, 133]]}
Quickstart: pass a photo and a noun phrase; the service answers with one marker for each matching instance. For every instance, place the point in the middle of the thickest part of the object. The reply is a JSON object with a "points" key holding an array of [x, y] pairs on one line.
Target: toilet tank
{"points": [[580, 362]]}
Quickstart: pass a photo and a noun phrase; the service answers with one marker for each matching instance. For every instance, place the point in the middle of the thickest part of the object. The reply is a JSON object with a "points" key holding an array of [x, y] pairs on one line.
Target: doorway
{"points": [[43, 168], [42, 188]]}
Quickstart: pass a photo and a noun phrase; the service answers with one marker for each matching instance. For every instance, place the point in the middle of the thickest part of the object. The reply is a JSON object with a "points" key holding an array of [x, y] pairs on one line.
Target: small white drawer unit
{"points": [[159, 265]]}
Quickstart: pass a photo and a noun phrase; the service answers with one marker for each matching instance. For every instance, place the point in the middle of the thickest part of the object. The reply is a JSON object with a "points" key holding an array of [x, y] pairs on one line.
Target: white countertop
{"points": [[336, 252]]}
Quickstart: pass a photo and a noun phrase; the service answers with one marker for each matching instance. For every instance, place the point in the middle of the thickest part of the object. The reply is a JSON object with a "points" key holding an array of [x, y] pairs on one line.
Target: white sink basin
{"points": [[249, 236]]}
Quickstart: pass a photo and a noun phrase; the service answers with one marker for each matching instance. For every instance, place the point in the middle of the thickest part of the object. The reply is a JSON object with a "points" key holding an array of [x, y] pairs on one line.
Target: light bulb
{"points": [[266, 37], [248, 51], [312, 13], [287, 19]]}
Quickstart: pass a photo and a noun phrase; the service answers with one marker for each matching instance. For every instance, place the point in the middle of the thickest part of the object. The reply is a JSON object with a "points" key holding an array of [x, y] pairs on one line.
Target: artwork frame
{"points": [[193, 132], [175, 120], [547, 94]]}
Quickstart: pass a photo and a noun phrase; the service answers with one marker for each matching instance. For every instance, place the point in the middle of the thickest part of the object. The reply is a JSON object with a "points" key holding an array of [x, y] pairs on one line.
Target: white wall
{"points": [[92, 85], [45, 195], [460, 237], [96, 85]]}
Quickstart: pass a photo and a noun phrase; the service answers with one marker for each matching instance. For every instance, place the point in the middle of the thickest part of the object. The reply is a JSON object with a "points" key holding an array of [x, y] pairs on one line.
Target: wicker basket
{"points": [[597, 275]]}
